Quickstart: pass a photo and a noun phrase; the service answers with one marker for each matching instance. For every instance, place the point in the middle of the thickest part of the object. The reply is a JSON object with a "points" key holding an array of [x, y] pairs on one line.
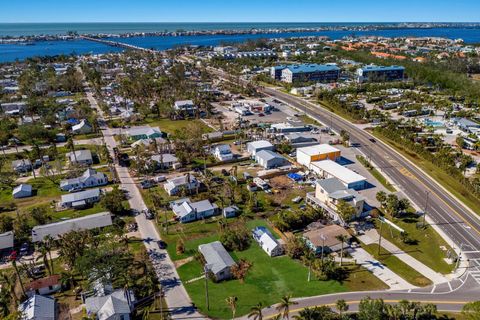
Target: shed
{"points": [[22, 191]]}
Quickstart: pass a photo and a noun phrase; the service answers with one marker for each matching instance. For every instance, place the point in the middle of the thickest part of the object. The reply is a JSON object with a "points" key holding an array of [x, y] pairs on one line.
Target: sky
{"points": [[13, 11]]}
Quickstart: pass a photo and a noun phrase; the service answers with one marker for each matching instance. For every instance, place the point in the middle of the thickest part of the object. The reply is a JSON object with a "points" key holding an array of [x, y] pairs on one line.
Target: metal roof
{"points": [[82, 195], [216, 257], [38, 307], [318, 149], [340, 172], [306, 68]]}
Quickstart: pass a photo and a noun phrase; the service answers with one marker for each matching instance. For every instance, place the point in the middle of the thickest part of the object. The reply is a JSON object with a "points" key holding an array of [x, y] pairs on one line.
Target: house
{"points": [[54, 230], [13, 108], [217, 260], [114, 305], [267, 241], [330, 169], [38, 307], [80, 199], [22, 166], [222, 152], [187, 211], [148, 142], [80, 157], [307, 155], [256, 146], [174, 185], [269, 159], [325, 239], [165, 161], [6, 240], [467, 125], [22, 191], [230, 212], [44, 286], [185, 106], [90, 178], [82, 128], [143, 132], [330, 192]]}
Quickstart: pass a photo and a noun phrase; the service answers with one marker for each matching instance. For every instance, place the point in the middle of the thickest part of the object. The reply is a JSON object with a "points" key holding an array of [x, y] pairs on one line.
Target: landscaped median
{"points": [[380, 178], [268, 279]]}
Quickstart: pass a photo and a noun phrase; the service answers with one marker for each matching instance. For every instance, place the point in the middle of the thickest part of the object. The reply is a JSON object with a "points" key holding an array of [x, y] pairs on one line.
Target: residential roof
{"points": [[216, 257], [56, 229], [22, 188], [143, 130], [38, 308], [52, 280], [184, 206], [326, 235], [82, 195], [180, 180], [262, 235], [318, 149], [85, 175], [181, 103], [106, 306], [80, 155], [268, 155], [165, 158], [331, 185], [340, 172]]}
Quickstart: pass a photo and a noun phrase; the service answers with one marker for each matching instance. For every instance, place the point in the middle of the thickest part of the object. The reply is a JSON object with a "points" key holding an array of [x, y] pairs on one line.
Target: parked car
{"points": [[162, 244], [149, 214], [24, 249], [147, 184]]}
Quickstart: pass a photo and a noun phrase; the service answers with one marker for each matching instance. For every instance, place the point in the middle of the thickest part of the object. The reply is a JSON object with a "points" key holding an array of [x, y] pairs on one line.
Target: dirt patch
{"points": [[181, 262]]}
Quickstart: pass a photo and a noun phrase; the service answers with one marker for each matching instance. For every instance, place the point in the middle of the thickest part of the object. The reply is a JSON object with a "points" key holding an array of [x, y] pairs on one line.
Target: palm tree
{"points": [[48, 243], [284, 306], [256, 312], [71, 145], [342, 238], [341, 306], [15, 267], [232, 303]]}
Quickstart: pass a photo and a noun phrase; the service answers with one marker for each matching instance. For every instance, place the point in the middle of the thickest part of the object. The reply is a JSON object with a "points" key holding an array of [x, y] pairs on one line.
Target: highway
{"points": [[459, 223]]}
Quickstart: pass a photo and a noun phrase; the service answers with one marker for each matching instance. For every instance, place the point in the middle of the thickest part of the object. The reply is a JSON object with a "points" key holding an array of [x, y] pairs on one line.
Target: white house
{"points": [[22, 191], [186, 106], [80, 199], [81, 157], [82, 128], [222, 152], [270, 159], [90, 178], [217, 259], [174, 185], [256, 146], [44, 286], [267, 241], [115, 305], [165, 160], [187, 211]]}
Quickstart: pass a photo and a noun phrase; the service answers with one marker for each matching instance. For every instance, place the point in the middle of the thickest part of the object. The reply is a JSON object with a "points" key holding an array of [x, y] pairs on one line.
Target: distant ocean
{"points": [[11, 52]]}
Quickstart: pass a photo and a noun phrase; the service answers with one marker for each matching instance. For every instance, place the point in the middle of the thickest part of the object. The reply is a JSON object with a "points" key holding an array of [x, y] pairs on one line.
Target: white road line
{"points": [[450, 285], [433, 289]]}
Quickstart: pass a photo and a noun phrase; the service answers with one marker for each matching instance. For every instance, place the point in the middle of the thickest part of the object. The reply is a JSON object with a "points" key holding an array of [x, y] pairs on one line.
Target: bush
{"points": [[237, 239]]}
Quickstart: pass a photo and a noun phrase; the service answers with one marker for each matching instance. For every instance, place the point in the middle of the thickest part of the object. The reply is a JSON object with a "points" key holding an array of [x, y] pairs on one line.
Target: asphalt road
{"points": [[460, 224]]}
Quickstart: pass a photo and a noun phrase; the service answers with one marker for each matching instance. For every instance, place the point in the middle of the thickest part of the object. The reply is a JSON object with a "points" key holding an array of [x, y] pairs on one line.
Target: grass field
{"points": [[397, 266], [447, 181], [376, 174], [428, 247], [169, 126]]}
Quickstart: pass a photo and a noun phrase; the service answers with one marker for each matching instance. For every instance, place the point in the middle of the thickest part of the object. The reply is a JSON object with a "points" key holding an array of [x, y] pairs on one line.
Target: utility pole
{"points": [[380, 237], [426, 207], [205, 270]]}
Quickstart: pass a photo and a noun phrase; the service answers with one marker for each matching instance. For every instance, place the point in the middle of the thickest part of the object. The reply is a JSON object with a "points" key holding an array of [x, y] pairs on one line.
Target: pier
{"points": [[118, 44]]}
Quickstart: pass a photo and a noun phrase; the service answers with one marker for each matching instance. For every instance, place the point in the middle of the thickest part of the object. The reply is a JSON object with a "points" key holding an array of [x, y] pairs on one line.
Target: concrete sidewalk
{"points": [[393, 280], [371, 236]]}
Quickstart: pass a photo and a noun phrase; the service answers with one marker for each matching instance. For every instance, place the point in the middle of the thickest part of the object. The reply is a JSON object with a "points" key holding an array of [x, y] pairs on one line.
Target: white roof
{"points": [[268, 242], [318, 149], [260, 144], [216, 257], [22, 187], [340, 172], [38, 307], [56, 229], [143, 130], [6, 240]]}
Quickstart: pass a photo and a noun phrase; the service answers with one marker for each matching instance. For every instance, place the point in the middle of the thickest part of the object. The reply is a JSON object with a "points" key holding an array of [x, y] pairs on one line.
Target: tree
{"points": [[295, 247], [471, 310], [316, 313], [345, 210], [341, 306], [39, 215], [180, 247], [113, 201], [256, 312], [232, 303], [381, 197], [284, 306], [342, 238], [17, 272], [240, 269], [371, 309]]}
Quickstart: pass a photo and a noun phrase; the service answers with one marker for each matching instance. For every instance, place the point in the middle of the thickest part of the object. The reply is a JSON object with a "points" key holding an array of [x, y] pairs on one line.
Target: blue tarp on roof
{"points": [[295, 176]]}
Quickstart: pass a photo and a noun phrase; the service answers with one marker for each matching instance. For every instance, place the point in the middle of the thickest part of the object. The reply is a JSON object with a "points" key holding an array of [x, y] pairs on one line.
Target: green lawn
{"points": [[169, 126], [267, 281], [376, 174], [396, 265], [44, 192], [427, 250]]}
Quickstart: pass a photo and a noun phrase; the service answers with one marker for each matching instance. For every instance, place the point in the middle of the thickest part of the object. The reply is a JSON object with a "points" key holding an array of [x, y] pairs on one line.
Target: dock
{"points": [[118, 44]]}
